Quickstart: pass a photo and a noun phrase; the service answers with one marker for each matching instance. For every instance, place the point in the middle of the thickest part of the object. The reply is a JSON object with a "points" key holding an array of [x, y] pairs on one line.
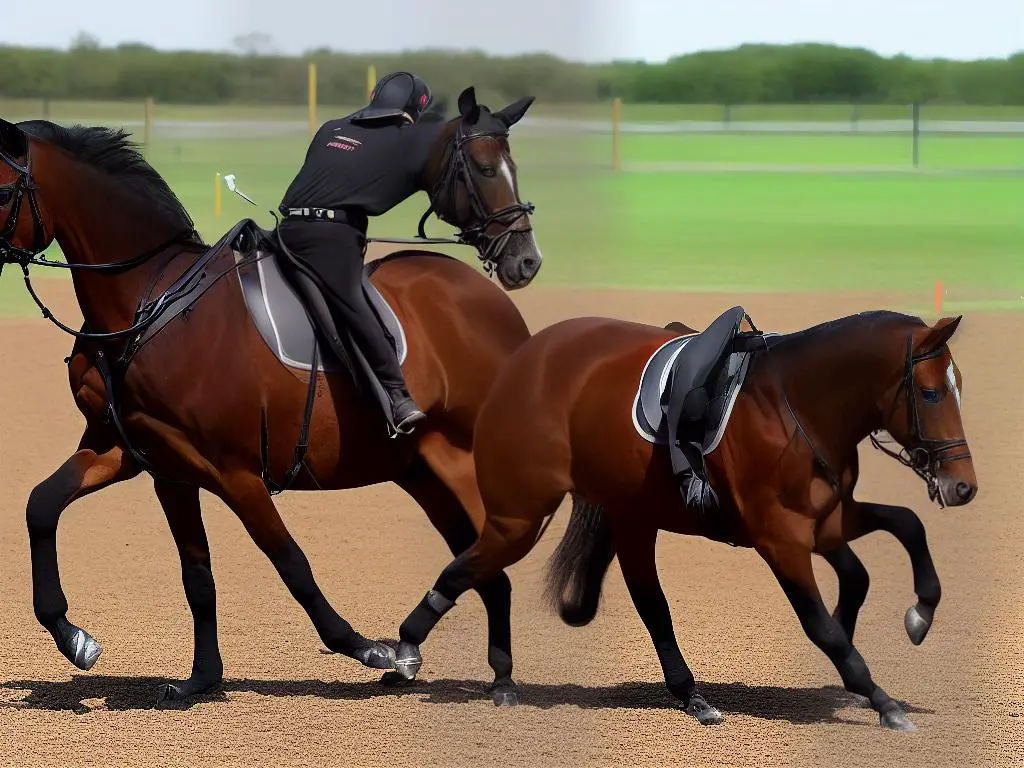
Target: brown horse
{"points": [[783, 465], [173, 376]]}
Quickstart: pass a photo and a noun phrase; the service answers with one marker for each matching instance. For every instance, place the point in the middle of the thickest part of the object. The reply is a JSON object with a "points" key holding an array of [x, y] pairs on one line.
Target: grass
{"points": [[694, 231], [936, 151]]}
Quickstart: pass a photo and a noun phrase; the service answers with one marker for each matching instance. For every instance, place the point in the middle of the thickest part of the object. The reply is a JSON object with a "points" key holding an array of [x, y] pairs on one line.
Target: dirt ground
{"points": [[591, 696]]}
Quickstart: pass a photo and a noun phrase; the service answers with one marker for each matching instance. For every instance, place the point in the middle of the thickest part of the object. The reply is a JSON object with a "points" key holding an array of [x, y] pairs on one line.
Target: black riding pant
{"points": [[331, 253]]}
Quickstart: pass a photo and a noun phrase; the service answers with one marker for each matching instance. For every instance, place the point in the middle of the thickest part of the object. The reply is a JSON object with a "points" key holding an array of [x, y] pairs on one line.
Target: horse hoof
{"points": [[505, 696], [897, 720], [376, 656], [704, 713], [85, 650], [408, 660], [169, 692], [394, 679], [917, 621]]}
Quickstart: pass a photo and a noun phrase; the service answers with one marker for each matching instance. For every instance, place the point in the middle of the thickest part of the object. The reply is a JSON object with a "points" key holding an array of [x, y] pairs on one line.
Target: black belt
{"points": [[317, 214]]}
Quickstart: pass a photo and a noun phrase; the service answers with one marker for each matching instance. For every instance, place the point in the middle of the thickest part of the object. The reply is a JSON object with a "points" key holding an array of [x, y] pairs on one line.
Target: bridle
{"points": [[442, 201], [925, 455], [24, 186]]}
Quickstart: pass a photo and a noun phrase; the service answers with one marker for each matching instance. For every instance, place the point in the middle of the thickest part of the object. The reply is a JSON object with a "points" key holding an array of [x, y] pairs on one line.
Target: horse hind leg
{"points": [[96, 465], [452, 521], [248, 498]]}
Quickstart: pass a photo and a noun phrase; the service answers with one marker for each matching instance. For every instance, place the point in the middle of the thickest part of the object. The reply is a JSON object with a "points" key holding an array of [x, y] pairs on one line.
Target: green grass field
{"points": [[760, 231]]}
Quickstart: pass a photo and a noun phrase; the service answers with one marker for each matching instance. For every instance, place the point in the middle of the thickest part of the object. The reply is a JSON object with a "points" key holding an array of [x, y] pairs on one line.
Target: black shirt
{"points": [[368, 168]]}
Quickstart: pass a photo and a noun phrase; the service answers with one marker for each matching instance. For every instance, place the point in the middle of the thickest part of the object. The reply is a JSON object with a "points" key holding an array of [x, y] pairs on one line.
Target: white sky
{"points": [[588, 30]]}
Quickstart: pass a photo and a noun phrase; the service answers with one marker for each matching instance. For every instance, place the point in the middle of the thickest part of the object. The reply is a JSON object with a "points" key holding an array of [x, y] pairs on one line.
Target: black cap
{"points": [[397, 95]]}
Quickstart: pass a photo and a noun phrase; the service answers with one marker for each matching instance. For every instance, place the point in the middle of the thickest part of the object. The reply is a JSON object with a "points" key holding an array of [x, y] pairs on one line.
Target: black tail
{"points": [[577, 567]]}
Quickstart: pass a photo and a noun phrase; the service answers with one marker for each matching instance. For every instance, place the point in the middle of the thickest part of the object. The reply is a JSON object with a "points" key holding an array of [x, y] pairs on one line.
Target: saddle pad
{"points": [[282, 321], [649, 419]]}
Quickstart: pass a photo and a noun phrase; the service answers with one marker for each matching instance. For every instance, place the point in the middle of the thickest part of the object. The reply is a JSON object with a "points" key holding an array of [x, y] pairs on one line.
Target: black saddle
{"points": [[696, 401]]}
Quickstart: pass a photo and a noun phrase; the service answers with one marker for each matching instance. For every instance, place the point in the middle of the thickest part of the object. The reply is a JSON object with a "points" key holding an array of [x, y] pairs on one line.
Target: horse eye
{"points": [[488, 171], [931, 395]]}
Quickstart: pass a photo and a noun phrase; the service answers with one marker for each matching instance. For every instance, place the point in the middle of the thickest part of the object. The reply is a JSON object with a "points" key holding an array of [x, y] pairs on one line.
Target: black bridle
{"points": [[924, 455], [442, 201], [24, 186]]}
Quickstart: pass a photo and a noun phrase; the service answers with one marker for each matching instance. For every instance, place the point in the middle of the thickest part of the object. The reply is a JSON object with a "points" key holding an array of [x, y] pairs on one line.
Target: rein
{"points": [[24, 257], [442, 202], [926, 455]]}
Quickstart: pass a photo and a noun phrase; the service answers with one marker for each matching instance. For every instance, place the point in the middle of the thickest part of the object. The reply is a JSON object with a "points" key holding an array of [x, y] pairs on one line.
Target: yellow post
{"points": [[371, 79], [616, 134], [312, 98], [147, 121], [216, 197]]}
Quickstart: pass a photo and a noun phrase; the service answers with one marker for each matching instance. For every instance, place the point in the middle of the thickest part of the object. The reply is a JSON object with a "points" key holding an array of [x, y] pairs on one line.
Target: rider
{"points": [[359, 166]]}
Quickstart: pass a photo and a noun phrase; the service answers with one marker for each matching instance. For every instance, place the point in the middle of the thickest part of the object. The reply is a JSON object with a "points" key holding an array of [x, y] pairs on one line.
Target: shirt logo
{"points": [[345, 143]]}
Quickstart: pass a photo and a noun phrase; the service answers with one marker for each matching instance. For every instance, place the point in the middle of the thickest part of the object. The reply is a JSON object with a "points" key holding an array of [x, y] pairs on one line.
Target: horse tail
{"points": [[578, 565]]}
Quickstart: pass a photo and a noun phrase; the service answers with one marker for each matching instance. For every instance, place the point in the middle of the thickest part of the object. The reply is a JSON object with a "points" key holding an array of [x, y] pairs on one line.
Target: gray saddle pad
{"points": [[282, 321]]}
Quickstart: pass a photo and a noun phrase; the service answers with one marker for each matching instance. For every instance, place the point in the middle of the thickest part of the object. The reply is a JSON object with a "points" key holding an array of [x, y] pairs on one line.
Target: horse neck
{"points": [[96, 220], [836, 383]]}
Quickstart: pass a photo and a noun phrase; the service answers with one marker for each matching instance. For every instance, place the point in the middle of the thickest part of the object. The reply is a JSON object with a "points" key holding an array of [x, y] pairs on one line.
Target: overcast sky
{"points": [[588, 30]]}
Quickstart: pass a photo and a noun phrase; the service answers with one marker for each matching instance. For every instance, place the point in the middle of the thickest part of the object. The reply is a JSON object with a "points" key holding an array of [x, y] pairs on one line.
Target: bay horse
{"points": [[781, 457], [177, 374]]}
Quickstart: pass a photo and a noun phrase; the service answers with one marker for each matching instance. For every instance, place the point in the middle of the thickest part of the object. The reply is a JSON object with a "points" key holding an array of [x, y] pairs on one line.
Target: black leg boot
{"points": [[405, 412]]}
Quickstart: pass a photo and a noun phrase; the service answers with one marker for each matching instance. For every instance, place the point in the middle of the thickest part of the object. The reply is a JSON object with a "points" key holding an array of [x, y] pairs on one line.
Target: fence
{"points": [[639, 137]]}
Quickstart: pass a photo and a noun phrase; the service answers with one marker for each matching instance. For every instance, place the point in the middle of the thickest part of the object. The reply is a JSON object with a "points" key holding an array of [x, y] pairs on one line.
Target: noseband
{"points": [[442, 202], [924, 455]]}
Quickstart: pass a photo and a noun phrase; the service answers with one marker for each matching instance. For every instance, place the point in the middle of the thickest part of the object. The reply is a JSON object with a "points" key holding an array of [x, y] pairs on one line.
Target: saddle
{"points": [[293, 317], [698, 379]]}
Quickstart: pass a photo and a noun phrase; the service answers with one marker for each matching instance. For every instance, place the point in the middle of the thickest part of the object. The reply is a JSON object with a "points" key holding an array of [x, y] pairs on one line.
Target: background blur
{"points": [[790, 165]]}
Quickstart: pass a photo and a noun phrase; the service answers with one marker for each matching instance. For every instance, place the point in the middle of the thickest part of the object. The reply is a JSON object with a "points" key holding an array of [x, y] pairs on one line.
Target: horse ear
{"points": [[939, 334], [468, 107], [13, 139], [513, 113]]}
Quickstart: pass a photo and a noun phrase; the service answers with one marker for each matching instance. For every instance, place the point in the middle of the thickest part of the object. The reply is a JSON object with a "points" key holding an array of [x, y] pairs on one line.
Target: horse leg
{"points": [[908, 529], [451, 520], [96, 465], [853, 586], [509, 533], [248, 498], [635, 547], [184, 516], [791, 564]]}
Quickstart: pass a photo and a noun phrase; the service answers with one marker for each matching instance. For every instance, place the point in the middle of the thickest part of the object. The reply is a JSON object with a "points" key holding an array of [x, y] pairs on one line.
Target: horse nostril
{"points": [[529, 263], [964, 491]]}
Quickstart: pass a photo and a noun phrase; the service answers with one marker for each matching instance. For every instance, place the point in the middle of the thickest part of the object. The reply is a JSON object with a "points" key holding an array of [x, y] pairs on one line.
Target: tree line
{"points": [[750, 74]]}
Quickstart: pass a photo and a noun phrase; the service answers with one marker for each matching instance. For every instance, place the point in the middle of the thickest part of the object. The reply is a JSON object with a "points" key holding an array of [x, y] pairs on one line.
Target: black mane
{"points": [[111, 150], [867, 320]]}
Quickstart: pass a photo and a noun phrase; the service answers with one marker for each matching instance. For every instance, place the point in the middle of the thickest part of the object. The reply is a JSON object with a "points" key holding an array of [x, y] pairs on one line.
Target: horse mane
{"points": [[868, 320], [112, 151]]}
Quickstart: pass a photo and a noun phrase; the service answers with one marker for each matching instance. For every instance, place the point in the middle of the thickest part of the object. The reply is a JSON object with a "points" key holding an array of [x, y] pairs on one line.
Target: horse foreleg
{"points": [[853, 586], [184, 515], [90, 469], [908, 529], [790, 561], [635, 547]]}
